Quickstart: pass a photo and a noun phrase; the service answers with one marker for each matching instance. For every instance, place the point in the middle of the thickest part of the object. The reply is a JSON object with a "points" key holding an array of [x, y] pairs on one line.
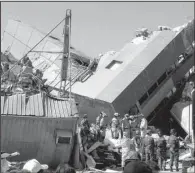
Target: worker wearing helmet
{"points": [[143, 126], [173, 144], [85, 122], [126, 124], [99, 117], [103, 126], [115, 126], [161, 150], [137, 141], [148, 146], [135, 121], [127, 146]]}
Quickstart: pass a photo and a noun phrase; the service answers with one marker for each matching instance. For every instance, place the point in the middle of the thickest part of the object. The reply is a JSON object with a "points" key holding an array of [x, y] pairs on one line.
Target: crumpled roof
{"points": [[19, 38]]}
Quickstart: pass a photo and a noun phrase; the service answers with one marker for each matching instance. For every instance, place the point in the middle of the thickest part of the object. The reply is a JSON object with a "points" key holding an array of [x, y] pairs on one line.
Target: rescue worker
{"points": [[127, 148], [173, 145], [25, 77], [161, 150], [98, 119], [133, 125], [148, 146], [143, 126], [137, 141], [84, 130], [103, 126], [125, 124], [115, 126], [85, 122]]}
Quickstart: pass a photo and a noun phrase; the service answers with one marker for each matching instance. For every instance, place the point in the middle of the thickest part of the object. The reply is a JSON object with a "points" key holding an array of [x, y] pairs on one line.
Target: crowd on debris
{"points": [[27, 79], [136, 140]]}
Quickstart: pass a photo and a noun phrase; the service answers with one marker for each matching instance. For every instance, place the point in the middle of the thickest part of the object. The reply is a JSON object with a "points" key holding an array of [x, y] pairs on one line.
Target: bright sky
{"points": [[98, 27]]}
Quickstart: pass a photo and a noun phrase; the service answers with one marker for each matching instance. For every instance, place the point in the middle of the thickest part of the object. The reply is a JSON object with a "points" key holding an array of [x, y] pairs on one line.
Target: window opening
{"points": [[162, 78], [143, 99], [114, 65], [63, 140], [152, 88]]}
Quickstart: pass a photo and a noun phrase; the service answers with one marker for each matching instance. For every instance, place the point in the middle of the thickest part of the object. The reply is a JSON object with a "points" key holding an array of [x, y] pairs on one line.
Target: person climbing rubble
{"points": [[148, 146], [84, 130], [38, 82], [161, 150], [126, 124], [115, 126], [127, 148], [25, 77], [173, 145]]}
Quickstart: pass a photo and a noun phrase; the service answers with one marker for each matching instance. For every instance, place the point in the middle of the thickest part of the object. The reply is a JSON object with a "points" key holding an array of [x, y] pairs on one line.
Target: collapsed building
{"points": [[141, 77]]}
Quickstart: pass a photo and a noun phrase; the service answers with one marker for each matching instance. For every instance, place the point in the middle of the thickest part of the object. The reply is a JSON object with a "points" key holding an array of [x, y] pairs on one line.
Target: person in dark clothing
{"points": [[173, 144], [161, 150], [148, 146], [126, 124]]}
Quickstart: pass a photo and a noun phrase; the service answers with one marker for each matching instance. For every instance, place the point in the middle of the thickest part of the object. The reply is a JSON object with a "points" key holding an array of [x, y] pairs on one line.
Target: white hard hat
{"points": [[116, 114], [34, 166]]}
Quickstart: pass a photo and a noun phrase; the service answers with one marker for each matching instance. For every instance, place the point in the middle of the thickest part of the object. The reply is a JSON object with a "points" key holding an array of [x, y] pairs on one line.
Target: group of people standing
{"points": [[136, 141]]}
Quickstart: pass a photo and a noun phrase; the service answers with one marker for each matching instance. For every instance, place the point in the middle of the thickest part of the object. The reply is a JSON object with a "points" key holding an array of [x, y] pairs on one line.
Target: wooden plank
{"points": [[49, 107], [66, 113], [52, 108], [32, 106], [2, 104], [61, 108], [27, 107], [40, 104], [56, 108], [15, 104], [46, 106], [19, 108], [11, 105], [5, 105], [36, 108], [23, 104]]}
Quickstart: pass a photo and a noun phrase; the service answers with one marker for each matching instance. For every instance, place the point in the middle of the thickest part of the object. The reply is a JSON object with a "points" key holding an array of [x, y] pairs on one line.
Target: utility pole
{"points": [[193, 113], [66, 51]]}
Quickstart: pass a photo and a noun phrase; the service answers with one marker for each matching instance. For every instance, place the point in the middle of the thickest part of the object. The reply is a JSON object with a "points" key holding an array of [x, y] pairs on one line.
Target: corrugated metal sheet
{"points": [[37, 105]]}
